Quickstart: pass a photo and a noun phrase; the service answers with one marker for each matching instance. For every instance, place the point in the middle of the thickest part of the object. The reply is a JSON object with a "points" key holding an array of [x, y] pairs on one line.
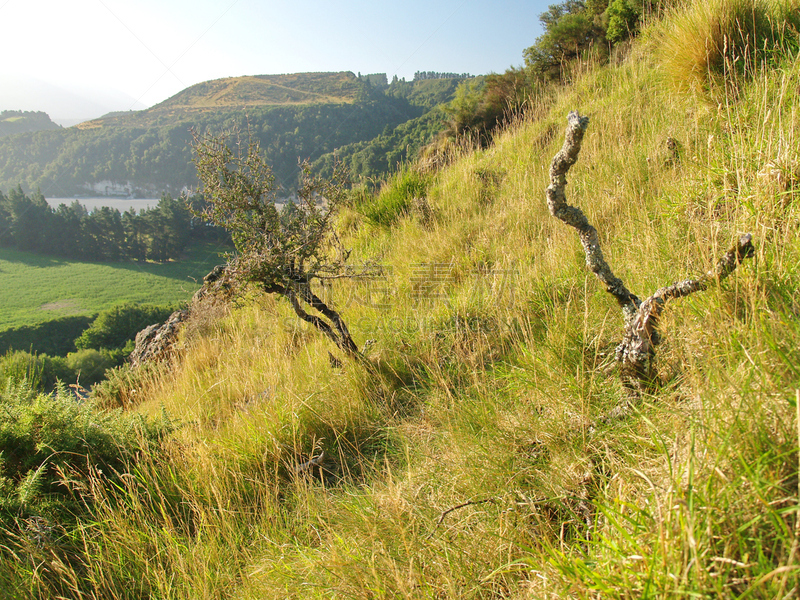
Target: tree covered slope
{"points": [[17, 121], [296, 117]]}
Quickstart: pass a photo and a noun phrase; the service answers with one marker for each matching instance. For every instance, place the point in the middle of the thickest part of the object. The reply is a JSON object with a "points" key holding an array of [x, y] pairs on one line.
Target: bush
{"points": [[44, 373], [623, 20], [571, 29], [89, 366], [282, 252], [51, 446], [115, 327], [463, 108], [479, 109], [121, 384]]}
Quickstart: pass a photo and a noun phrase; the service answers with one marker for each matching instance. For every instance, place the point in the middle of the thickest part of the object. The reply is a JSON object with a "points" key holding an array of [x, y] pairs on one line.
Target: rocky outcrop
{"points": [[155, 342], [158, 341]]}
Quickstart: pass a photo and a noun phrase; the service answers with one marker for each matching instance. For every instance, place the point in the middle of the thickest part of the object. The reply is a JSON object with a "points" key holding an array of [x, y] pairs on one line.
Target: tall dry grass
{"points": [[710, 44], [472, 460]]}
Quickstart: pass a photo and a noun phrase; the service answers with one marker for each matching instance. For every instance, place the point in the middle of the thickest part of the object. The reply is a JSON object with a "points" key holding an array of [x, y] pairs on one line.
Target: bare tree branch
{"points": [[574, 217], [455, 508], [636, 353]]}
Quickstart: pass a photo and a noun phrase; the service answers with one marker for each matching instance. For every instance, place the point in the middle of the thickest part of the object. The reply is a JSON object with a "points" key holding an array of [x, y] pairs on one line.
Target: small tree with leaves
{"points": [[282, 251]]}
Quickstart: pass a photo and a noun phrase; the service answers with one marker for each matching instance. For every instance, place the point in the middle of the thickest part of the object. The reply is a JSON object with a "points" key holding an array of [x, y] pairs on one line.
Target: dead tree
{"points": [[636, 353]]}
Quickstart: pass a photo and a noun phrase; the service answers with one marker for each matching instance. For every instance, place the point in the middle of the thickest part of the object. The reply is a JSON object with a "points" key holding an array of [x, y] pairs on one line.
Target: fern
{"points": [[30, 488]]}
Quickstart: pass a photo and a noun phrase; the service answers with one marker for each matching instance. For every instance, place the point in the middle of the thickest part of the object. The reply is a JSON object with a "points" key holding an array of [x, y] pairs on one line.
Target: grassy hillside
{"points": [[474, 458], [307, 88], [238, 93]]}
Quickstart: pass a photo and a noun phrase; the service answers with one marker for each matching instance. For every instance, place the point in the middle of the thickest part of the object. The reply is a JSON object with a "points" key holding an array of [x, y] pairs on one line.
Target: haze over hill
{"points": [[16, 121], [66, 104]]}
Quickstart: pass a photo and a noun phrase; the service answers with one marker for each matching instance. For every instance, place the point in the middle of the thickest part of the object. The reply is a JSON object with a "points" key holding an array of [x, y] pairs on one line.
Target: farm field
{"points": [[35, 288]]}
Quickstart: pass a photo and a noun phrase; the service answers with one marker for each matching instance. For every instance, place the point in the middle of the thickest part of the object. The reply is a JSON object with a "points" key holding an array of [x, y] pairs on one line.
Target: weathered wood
{"points": [[574, 217], [309, 465], [636, 353]]}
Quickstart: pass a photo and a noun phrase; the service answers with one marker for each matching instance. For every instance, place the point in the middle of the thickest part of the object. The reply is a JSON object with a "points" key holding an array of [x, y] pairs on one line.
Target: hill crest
{"points": [[259, 90], [292, 89]]}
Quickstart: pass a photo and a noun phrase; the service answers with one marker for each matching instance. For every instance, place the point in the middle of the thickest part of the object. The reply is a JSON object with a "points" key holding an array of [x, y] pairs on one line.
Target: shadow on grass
{"points": [[31, 259], [197, 261]]}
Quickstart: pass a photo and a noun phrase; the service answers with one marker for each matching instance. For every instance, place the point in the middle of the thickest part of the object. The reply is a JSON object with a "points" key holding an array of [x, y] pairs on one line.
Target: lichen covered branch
{"points": [[636, 353], [574, 217]]}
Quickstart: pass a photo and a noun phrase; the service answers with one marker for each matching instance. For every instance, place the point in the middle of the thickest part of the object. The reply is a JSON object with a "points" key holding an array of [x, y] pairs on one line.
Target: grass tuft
{"points": [[707, 45]]}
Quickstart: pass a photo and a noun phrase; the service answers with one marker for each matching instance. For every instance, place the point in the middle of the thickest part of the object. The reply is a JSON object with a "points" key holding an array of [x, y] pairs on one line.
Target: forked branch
{"points": [[636, 353]]}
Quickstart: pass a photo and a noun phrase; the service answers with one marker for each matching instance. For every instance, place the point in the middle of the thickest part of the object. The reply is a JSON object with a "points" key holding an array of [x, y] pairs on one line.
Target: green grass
{"points": [[472, 461], [35, 288]]}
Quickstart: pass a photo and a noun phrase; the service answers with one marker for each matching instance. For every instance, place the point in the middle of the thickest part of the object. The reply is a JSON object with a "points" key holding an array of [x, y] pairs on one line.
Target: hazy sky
{"points": [[136, 53]]}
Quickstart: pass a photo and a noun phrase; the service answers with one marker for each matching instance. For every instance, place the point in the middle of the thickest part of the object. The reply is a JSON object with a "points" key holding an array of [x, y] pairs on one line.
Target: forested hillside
{"points": [[145, 153], [16, 121]]}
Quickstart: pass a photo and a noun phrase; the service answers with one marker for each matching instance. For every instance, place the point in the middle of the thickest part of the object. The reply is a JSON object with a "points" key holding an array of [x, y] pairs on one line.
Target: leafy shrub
{"points": [[44, 373], [479, 108], [570, 30], [463, 108], [89, 366], [22, 366], [281, 252], [52, 446], [623, 19], [114, 327]]}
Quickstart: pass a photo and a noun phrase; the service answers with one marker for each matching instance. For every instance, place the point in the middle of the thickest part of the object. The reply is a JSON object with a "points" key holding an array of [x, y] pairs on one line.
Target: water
{"points": [[121, 204]]}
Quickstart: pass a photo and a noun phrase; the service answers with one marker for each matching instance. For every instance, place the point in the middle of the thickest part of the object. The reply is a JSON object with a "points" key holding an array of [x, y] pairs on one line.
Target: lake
{"points": [[121, 204]]}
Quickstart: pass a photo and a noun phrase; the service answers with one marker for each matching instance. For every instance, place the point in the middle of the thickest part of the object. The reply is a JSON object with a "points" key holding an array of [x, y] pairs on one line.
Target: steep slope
{"points": [[475, 457]]}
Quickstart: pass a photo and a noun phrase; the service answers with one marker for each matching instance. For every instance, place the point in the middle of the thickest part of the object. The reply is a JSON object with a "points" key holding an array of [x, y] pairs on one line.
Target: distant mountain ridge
{"points": [[295, 117], [17, 121]]}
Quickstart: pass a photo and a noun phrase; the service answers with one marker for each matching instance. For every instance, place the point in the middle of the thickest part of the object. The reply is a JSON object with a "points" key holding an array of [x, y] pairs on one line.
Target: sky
{"points": [[77, 59]]}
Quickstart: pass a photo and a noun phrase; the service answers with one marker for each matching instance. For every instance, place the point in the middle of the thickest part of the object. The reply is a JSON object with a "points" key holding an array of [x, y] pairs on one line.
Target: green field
{"points": [[35, 288]]}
